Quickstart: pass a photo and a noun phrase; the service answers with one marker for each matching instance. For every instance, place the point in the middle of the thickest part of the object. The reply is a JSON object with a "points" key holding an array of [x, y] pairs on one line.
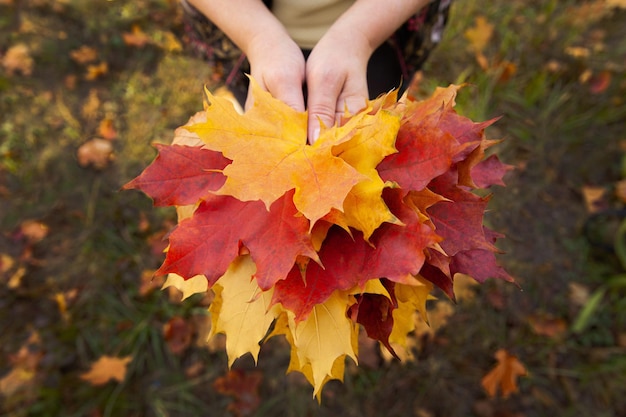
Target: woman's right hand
{"points": [[278, 66]]}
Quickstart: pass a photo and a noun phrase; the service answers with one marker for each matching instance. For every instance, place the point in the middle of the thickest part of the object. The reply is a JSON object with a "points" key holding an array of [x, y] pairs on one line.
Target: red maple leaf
{"points": [[375, 313], [480, 264], [489, 172], [424, 152], [181, 175], [208, 242], [458, 221], [395, 252]]}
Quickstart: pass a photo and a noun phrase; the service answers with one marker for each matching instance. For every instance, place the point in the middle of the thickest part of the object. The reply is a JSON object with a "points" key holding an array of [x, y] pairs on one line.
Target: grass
{"points": [[79, 287]]}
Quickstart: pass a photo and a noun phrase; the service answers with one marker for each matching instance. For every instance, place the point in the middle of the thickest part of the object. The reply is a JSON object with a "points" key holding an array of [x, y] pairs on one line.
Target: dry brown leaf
{"points": [[22, 376], [33, 230], [548, 326], [503, 377], [594, 198], [136, 37], [18, 59], [96, 71], [105, 369], [84, 54], [148, 282], [91, 106], [600, 82], [243, 387], [107, 130], [578, 294], [620, 190], [177, 334], [97, 153]]}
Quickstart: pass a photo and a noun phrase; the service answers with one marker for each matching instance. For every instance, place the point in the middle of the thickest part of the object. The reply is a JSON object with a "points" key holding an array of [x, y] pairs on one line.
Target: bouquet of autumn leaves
{"points": [[316, 241]]}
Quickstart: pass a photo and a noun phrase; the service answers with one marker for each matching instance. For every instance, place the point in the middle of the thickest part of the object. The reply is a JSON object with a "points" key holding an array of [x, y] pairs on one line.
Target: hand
{"points": [[278, 66], [336, 79]]}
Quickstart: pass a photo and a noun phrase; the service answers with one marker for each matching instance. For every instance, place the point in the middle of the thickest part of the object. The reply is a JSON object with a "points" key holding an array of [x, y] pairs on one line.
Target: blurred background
{"points": [[87, 85]]}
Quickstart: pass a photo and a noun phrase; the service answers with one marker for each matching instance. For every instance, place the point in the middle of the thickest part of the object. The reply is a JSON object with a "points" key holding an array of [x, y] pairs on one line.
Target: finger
{"points": [[322, 107], [290, 93]]}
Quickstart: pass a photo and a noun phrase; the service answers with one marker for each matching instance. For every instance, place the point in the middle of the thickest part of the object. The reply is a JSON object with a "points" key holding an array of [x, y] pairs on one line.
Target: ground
{"points": [[76, 253]]}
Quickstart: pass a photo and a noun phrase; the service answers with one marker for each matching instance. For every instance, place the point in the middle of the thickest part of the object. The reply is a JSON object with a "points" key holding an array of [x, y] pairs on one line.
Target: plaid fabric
{"points": [[413, 42]]}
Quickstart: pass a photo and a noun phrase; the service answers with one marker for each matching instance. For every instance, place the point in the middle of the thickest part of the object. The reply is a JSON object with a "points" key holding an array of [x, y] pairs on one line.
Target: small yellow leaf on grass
{"points": [[105, 369], [480, 34], [504, 375]]}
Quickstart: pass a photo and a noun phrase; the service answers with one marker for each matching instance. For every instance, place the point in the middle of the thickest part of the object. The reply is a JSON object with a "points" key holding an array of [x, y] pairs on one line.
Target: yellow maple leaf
{"points": [[268, 147], [105, 369], [480, 34], [194, 285], [323, 340], [410, 298], [364, 208], [241, 310]]}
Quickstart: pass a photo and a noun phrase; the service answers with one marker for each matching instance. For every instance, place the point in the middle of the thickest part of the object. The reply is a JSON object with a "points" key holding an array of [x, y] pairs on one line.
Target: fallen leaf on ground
{"points": [[23, 375], [177, 334], [136, 37], [243, 387], [107, 130], [18, 59], [105, 369], [480, 34], [34, 230], [503, 377], [594, 198], [84, 54], [96, 152], [578, 294], [96, 71], [544, 325]]}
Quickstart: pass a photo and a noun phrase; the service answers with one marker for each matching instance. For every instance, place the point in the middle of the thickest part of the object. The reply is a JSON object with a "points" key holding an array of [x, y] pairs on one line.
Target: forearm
{"points": [[375, 21], [243, 21]]}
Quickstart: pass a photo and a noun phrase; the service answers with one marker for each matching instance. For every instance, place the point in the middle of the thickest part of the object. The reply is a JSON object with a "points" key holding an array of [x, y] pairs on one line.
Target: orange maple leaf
{"points": [[270, 155], [105, 369], [504, 375]]}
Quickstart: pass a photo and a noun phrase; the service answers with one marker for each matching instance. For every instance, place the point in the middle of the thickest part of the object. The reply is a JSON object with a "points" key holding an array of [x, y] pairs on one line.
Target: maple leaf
{"points": [[241, 310], [105, 369], [267, 145], [460, 219], [325, 337], [180, 175], [375, 313], [363, 207], [243, 387], [424, 152], [18, 58], [194, 285], [504, 375], [209, 241], [356, 229]]}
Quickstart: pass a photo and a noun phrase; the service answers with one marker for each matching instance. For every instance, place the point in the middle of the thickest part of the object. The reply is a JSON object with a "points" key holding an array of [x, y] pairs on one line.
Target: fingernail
{"points": [[316, 133]]}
